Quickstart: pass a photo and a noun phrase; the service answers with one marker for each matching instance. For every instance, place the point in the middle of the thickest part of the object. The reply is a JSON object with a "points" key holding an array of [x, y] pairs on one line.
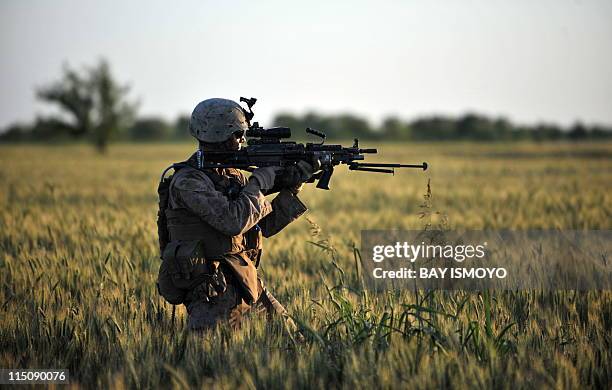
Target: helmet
{"points": [[215, 120]]}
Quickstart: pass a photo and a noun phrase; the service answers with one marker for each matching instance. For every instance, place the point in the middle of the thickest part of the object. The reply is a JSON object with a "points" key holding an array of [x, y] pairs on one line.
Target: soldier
{"points": [[211, 223]]}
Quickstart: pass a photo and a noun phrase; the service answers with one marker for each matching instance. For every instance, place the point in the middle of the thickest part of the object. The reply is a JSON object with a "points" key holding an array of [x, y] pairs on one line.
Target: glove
{"points": [[265, 177], [293, 177], [306, 170]]}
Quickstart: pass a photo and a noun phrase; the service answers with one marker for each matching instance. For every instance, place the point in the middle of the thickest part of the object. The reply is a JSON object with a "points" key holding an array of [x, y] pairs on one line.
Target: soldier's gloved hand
{"points": [[293, 177], [306, 171], [265, 177]]}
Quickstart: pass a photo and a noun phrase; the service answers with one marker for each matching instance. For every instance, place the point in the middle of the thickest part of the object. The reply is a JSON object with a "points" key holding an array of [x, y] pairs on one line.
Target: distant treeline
{"points": [[142, 129], [469, 127]]}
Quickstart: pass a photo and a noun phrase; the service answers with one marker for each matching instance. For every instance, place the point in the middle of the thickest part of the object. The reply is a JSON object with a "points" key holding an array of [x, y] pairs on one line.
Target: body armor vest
{"points": [[183, 225], [191, 248]]}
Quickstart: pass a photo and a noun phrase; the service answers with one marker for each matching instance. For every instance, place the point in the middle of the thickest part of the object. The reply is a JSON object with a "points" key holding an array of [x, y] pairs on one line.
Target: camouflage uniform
{"points": [[232, 219]]}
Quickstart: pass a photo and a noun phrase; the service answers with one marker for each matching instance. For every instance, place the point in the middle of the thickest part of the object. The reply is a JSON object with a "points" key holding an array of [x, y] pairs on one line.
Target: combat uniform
{"points": [[211, 222], [229, 226]]}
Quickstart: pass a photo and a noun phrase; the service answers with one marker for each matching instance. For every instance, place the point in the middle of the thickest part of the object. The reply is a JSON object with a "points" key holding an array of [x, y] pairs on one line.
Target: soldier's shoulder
{"points": [[191, 179]]}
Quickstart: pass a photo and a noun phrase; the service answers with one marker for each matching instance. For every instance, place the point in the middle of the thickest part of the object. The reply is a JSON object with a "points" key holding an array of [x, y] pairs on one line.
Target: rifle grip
{"points": [[325, 178]]}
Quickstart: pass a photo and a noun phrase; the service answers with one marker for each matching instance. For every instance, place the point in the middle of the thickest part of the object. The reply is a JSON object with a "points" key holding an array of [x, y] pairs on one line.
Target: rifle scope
{"points": [[273, 132]]}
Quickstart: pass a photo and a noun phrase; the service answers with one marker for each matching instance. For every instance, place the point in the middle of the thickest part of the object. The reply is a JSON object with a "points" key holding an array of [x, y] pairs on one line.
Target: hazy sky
{"points": [[527, 60]]}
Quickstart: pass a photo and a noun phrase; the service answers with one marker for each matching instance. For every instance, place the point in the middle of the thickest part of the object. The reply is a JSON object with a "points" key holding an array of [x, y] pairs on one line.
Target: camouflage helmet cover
{"points": [[215, 120]]}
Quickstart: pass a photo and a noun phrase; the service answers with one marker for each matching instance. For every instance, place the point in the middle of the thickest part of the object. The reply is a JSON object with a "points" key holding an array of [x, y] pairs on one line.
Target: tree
{"points": [[433, 128], [93, 102], [334, 126], [149, 129], [393, 129], [474, 127], [181, 127], [546, 132], [578, 132], [502, 128], [348, 126], [15, 132]]}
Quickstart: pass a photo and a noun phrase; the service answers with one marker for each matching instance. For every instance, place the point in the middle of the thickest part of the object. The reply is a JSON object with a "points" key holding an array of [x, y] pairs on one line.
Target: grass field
{"points": [[79, 258]]}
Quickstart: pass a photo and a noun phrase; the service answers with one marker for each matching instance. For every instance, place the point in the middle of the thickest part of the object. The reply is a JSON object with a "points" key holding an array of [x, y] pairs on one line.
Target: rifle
{"points": [[265, 148]]}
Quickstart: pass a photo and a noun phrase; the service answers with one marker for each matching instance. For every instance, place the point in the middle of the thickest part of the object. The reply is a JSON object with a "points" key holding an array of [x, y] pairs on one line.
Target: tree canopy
{"points": [[93, 104]]}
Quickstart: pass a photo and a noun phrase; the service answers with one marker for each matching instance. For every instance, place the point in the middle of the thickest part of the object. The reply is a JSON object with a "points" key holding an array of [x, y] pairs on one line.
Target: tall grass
{"points": [[78, 261]]}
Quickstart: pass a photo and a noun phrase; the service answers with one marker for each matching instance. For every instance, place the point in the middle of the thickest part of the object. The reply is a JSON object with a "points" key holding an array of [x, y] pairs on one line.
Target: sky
{"points": [[529, 61]]}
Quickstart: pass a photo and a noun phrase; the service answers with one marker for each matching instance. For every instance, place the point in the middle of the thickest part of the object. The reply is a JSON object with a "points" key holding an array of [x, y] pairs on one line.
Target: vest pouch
{"points": [[166, 287], [183, 263]]}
